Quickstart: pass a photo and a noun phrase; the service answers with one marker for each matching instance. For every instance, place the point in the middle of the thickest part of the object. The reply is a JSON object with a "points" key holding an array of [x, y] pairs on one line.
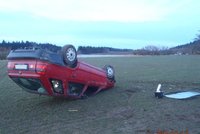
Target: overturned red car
{"points": [[57, 74]]}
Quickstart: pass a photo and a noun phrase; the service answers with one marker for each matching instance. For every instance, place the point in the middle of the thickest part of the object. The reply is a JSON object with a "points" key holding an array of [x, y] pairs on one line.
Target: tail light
{"points": [[41, 68], [10, 65]]}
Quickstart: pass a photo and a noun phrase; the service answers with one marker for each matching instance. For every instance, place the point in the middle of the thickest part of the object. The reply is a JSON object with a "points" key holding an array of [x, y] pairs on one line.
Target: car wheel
{"points": [[69, 55], [110, 72]]}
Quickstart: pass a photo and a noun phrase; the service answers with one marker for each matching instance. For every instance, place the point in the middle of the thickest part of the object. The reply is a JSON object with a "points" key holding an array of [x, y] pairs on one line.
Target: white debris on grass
{"points": [[183, 95]]}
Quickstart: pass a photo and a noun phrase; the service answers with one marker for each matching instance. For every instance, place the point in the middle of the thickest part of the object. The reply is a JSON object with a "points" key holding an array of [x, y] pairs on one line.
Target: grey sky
{"points": [[123, 24]]}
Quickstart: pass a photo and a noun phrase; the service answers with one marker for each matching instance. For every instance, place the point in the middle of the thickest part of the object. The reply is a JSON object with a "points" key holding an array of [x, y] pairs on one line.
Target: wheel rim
{"points": [[110, 72], [71, 54]]}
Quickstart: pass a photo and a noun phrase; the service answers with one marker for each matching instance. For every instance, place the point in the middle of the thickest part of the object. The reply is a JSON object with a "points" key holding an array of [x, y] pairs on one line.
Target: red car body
{"points": [[41, 76]]}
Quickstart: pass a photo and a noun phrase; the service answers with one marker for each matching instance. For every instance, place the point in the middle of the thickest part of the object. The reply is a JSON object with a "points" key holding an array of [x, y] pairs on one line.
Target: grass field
{"points": [[128, 108]]}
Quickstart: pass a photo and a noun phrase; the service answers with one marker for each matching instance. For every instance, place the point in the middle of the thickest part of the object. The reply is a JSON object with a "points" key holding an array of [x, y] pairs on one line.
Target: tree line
{"points": [[153, 50], [21, 44], [189, 48], [102, 50], [5, 47], [192, 48]]}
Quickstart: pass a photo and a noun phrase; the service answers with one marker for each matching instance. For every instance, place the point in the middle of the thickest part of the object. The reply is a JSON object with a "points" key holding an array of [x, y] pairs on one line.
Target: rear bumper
{"points": [[37, 83]]}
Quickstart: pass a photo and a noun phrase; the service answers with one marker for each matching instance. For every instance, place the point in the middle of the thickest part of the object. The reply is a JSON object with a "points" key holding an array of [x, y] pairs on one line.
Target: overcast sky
{"points": [[113, 23]]}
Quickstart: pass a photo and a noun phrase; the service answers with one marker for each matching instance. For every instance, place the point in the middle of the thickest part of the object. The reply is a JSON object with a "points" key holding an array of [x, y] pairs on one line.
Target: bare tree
{"points": [[197, 37], [151, 48]]}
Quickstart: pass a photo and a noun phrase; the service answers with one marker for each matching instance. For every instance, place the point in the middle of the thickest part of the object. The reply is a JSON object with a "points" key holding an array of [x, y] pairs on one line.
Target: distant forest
{"points": [[26, 44], [189, 48], [5, 47], [192, 48], [103, 50]]}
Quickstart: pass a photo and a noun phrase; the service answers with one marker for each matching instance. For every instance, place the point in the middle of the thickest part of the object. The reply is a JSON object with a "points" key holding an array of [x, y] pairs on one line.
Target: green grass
{"points": [[129, 107]]}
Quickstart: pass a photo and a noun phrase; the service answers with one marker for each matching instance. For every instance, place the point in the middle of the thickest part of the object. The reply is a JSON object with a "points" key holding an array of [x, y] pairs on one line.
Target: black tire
{"points": [[69, 55], [110, 72]]}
